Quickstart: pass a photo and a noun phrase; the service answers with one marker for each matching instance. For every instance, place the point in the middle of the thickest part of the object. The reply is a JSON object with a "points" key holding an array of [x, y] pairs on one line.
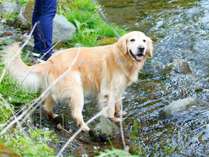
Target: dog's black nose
{"points": [[141, 49]]}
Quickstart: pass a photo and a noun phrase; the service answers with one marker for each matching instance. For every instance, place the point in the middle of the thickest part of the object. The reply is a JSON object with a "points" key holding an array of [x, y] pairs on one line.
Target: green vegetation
{"points": [[115, 153], [9, 16], [5, 110], [14, 93], [23, 2], [32, 144], [91, 28]]}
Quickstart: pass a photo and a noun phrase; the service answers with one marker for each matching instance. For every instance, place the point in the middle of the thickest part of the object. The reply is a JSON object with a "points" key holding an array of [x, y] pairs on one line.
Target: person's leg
{"points": [[43, 34], [36, 11], [35, 19], [46, 24]]}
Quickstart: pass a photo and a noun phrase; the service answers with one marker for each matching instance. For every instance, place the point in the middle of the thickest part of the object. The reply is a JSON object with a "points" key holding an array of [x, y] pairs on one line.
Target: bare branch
{"points": [[79, 130], [19, 50]]}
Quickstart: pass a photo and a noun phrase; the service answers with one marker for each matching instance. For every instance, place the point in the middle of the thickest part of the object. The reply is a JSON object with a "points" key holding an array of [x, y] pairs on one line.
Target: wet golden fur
{"points": [[104, 71]]}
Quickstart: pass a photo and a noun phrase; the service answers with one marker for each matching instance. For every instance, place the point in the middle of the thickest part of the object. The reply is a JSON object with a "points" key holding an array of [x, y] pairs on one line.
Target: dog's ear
{"points": [[122, 44], [149, 47]]}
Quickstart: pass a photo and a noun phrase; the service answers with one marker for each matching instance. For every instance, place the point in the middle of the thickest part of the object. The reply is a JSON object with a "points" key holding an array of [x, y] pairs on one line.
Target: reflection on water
{"points": [[141, 14], [179, 69]]}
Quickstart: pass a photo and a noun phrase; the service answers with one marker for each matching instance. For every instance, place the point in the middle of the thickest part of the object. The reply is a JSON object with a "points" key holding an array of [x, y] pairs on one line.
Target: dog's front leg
{"points": [[118, 105], [77, 103], [107, 99], [76, 99], [111, 106]]}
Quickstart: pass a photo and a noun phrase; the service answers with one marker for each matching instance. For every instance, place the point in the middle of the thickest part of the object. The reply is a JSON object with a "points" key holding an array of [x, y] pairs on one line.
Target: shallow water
{"points": [[179, 69]]}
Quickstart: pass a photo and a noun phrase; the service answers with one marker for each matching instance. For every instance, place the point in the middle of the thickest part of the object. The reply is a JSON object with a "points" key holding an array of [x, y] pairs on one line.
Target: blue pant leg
{"points": [[37, 32], [43, 33], [36, 11]]}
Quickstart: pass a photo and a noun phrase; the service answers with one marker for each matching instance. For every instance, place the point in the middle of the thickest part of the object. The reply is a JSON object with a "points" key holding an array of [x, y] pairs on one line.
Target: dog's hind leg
{"points": [[48, 107]]}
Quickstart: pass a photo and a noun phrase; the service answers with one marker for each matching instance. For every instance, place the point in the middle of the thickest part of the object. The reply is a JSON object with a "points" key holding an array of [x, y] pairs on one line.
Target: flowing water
{"points": [[179, 70]]}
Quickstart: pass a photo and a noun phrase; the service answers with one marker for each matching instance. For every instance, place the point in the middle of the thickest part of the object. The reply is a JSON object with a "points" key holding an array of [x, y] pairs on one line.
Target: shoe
{"points": [[42, 56]]}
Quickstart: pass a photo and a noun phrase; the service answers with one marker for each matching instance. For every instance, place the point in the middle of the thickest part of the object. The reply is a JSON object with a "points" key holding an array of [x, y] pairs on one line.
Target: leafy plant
{"points": [[5, 110], [32, 144], [91, 28], [115, 153]]}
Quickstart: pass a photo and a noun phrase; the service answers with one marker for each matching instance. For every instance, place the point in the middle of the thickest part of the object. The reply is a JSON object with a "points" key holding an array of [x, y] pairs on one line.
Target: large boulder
{"points": [[106, 128], [63, 29], [9, 7]]}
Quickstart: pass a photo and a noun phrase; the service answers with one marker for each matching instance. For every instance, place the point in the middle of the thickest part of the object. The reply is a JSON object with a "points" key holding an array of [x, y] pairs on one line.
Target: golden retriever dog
{"points": [[104, 71]]}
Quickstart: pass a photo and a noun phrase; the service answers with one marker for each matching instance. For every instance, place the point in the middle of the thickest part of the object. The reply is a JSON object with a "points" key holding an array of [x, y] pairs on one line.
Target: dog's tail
{"points": [[30, 77]]}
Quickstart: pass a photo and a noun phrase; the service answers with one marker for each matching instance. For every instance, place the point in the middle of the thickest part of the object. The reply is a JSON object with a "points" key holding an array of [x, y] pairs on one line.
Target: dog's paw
{"points": [[124, 113], [84, 127], [116, 119]]}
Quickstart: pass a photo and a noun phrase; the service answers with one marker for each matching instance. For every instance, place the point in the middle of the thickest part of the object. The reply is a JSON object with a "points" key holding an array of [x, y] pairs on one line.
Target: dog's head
{"points": [[137, 45]]}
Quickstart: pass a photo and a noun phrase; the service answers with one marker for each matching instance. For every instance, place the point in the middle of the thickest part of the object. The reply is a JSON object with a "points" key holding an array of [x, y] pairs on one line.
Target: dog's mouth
{"points": [[137, 57]]}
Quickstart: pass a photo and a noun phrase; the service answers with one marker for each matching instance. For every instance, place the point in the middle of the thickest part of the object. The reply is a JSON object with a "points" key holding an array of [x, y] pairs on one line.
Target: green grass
{"points": [[13, 92], [34, 144], [5, 110], [91, 28], [115, 153], [23, 2]]}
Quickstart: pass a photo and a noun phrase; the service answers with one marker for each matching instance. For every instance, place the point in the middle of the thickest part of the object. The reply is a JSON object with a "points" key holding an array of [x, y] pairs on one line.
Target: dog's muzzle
{"points": [[139, 56]]}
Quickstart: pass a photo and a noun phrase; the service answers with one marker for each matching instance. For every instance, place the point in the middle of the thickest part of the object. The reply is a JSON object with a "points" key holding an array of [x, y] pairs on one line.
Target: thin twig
{"points": [[19, 50], [78, 132], [40, 99], [6, 104], [49, 50], [41, 57], [121, 127]]}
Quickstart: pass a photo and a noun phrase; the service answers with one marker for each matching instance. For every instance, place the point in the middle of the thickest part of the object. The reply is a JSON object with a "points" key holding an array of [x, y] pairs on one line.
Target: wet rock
{"points": [[205, 136], [9, 7], [205, 21], [179, 105], [63, 29], [182, 66], [106, 128]]}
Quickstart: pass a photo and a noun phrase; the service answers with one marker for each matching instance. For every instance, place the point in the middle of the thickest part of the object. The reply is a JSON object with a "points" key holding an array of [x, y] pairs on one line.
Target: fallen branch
{"points": [[79, 131]]}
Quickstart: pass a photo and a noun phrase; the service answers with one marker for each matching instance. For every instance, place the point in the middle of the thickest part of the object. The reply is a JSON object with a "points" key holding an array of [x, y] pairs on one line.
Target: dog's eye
{"points": [[132, 40], [144, 41]]}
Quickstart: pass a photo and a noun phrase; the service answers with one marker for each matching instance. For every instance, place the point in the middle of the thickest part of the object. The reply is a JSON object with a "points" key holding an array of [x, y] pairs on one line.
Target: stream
{"points": [[175, 81]]}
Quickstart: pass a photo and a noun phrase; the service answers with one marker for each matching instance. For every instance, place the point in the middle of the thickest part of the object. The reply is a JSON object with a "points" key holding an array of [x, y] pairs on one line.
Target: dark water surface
{"points": [[179, 70]]}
